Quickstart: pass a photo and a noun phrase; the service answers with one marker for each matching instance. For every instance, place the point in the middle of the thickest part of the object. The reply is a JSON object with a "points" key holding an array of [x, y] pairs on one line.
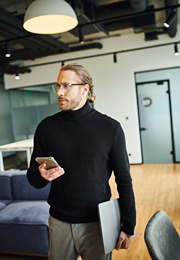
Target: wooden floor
{"points": [[156, 187]]}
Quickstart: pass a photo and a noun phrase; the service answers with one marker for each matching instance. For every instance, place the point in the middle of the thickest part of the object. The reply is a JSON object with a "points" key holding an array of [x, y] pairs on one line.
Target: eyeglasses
{"points": [[65, 87]]}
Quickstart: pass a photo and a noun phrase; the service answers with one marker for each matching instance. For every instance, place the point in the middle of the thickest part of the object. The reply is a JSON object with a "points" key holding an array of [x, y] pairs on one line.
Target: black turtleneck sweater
{"points": [[89, 146]]}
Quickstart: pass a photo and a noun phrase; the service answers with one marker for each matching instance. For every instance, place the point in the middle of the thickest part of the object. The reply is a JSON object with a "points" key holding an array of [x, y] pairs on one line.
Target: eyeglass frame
{"points": [[69, 85]]}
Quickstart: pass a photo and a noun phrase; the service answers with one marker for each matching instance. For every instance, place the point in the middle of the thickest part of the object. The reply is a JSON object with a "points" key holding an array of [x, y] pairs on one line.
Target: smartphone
{"points": [[50, 162]]}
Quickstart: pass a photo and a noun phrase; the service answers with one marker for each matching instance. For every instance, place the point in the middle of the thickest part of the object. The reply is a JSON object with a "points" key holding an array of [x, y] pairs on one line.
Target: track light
{"points": [[170, 19], [62, 63], [176, 52], [115, 58], [81, 35], [17, 76], [8, 52]]}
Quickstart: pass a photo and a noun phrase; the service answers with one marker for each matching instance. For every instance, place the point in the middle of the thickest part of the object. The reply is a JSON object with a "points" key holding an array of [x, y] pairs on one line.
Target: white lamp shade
{"points": [[49, 17]]}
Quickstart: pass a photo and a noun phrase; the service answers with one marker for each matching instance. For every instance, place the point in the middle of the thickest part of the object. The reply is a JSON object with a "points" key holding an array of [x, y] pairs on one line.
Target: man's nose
{"points": [[60, 91]]}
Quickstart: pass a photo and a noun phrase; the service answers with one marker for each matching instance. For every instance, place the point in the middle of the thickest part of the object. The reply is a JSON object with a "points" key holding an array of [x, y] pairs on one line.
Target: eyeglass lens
{"points": [[64, 87]]}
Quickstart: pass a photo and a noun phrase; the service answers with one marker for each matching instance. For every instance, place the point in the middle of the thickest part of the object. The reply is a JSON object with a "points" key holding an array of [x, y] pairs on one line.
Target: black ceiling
{"points": [[115, 17]]}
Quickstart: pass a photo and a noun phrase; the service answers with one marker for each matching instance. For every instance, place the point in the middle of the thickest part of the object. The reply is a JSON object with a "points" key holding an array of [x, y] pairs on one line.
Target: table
{"points": [[25, 145]]}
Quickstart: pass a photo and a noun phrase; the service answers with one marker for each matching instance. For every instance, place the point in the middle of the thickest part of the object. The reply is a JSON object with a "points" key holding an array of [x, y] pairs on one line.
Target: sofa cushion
{"points": [[28, 212], [5, 184], [22, 190], [24, 227], [2, 205], [5, 188], [6, 202]]}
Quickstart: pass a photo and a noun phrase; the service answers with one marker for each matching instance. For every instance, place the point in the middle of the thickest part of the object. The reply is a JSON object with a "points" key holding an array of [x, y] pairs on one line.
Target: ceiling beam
{"points": [[31, 55], [15, 25], [128, 16]]}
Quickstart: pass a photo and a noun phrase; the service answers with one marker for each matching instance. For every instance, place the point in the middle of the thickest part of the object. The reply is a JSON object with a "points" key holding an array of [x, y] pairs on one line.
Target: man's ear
{"points": [[86, 89]]}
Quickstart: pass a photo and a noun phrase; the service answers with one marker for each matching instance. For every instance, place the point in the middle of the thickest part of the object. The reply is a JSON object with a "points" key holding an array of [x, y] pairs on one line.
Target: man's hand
{"points": [[124, 241], [50, 174]]}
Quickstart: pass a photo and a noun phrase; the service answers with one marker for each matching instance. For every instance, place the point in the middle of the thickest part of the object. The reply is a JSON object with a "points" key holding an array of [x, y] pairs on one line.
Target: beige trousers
{"points": [[69, 241]]}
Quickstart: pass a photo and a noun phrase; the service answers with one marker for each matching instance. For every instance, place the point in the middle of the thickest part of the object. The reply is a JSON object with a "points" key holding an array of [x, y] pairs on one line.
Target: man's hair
{"points": [[83, 75]]}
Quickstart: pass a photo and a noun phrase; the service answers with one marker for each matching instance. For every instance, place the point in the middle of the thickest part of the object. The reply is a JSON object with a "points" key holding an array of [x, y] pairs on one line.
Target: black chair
{"points": [[161, 238]]}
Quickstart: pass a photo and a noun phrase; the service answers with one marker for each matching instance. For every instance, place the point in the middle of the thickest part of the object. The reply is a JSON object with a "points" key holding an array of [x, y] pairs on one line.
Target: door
{"points": [[155, 122]]}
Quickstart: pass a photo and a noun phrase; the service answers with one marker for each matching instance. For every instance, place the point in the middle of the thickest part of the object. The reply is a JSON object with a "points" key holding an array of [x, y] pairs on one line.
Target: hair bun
{"points": [[91, 98]]}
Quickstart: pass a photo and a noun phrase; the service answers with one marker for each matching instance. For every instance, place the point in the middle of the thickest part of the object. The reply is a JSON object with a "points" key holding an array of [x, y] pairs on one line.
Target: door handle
{"points": [[143, 129]]}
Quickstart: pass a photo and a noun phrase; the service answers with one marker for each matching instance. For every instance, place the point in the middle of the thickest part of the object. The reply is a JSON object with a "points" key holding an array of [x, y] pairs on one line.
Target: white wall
{"points": [[114, 83]]}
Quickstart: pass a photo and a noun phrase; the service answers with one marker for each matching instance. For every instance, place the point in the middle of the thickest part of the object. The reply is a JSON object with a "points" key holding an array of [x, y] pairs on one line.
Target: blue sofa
{"points": [[24, 214]]}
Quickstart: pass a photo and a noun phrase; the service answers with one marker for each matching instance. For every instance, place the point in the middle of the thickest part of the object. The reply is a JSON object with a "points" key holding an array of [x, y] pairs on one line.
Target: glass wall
{"points": [[28, 107], [172, 75], [6, 133]]}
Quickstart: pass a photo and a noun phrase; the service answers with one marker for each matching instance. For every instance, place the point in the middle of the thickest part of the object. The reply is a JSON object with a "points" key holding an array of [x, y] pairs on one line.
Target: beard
{"points": [[70, 104]]}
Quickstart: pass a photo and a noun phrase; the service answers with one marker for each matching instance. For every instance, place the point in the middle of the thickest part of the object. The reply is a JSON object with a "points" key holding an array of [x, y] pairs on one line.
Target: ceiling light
{"points": [[8, 52], [170, 19], [81, 35], [176, 52], [49, 17], [17, 76]]}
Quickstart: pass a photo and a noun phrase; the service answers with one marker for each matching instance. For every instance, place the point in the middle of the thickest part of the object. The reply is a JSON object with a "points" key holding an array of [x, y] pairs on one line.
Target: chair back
{"points": [[161, 238]]}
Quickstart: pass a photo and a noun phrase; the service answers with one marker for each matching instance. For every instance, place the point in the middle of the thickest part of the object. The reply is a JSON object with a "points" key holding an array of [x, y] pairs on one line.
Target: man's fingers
{"points": [[119, 244], [124, 241], [56, 169], [55, 173], [42, 166], [122, 245], [50, 174]]}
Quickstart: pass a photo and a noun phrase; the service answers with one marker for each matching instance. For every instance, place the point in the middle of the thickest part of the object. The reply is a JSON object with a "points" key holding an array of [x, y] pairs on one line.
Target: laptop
{"points": [[110, 222]]}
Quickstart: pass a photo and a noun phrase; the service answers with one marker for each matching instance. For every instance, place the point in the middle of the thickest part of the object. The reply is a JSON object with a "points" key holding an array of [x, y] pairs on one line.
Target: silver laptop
{"points": [[110, 221]]}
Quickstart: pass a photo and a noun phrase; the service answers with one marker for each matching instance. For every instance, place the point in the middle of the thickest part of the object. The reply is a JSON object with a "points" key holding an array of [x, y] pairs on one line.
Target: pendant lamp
{"points": [[49, 17]]}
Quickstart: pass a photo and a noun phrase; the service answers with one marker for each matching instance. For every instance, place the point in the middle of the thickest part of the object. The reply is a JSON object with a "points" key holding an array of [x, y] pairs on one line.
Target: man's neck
{"points": [[80, 105]]}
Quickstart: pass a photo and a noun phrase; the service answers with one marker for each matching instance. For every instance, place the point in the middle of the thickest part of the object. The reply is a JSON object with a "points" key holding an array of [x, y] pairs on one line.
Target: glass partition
{"points": [[172, 75], [29, 106]]}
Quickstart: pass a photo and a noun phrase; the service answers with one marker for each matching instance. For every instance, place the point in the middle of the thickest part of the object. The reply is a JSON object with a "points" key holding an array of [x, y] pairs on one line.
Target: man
{"points": [[88, 146]]}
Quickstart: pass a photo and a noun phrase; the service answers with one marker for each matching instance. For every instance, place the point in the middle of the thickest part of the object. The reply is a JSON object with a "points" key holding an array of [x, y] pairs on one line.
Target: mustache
{"points": [[62, 98]]}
